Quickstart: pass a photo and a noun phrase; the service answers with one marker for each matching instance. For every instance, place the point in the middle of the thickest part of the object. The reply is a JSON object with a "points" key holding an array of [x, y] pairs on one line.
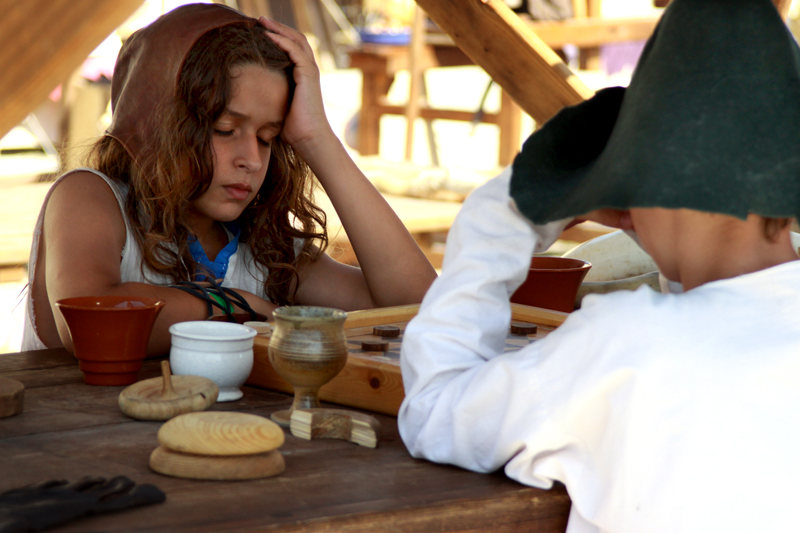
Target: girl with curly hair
{"points": [[206, 174]]}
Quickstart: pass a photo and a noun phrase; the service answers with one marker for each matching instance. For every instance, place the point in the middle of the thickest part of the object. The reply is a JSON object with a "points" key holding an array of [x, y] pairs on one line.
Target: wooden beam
{"points": [[582, 33], [43, 41], [495, 38]]}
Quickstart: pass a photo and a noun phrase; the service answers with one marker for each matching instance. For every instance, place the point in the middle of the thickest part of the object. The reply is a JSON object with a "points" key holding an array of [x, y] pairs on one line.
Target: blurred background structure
{"points": [[425, 124]]}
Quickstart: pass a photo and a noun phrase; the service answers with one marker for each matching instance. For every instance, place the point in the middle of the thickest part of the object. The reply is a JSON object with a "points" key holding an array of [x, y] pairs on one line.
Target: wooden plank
{"points": [[43, 41], [586, 32], [495, 38]]}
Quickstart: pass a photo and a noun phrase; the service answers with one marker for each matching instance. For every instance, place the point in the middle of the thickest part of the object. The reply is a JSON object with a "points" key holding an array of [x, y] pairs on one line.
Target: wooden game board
{"points": [[371, 380]]}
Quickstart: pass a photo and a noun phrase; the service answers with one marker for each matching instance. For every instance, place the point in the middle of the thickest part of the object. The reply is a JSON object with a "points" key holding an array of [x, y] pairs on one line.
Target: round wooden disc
{"points": [[522, 328], [144, 401], [374, 346], [12, 393], [220, 433], [386, 331], [232, 467]]}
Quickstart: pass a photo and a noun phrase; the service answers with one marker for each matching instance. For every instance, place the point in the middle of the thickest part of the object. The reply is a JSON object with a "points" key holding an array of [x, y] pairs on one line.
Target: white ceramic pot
{"points": [[618, 264], [220, 351]]}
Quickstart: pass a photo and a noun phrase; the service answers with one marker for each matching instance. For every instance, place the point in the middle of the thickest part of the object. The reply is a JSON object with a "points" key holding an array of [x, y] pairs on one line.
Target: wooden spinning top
{"points": [[219, 445], [168, 396]]}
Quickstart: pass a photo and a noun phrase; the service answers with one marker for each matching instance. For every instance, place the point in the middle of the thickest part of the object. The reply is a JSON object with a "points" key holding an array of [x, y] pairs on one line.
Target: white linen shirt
{"points": [[675, 412]]}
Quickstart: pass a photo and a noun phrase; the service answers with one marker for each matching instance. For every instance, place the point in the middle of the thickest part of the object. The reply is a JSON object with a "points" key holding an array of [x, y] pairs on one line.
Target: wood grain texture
{"points": [[146, 399], [220, 433], [495, 38], [12, 393], [216, 467], [70, 430], [43, 41], [352, 426]]}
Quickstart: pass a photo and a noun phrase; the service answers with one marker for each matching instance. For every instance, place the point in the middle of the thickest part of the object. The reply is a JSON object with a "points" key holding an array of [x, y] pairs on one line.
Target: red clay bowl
{"points": [[552, 283], [110, 335]]}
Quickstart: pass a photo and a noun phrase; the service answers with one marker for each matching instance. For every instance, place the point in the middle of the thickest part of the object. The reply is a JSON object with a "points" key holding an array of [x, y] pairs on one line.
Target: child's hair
{"points": [[178, 169], [773, 226]]}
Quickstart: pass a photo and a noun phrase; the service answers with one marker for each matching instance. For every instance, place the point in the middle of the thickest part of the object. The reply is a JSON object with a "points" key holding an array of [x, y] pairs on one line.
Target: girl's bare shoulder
{"points": [[83, 200]]}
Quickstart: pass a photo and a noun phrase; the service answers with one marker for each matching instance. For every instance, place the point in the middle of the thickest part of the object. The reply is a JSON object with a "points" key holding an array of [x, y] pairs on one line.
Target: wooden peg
{"points": [[352, 426], [167, 392]]}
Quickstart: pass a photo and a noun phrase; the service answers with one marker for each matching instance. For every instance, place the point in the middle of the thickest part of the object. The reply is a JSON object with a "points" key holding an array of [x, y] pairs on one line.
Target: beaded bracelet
{"points": [[220, 297]]}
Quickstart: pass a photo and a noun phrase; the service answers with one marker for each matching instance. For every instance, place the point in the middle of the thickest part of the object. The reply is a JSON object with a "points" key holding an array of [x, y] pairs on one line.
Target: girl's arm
{"points": [[393, 269], [83, 237]]}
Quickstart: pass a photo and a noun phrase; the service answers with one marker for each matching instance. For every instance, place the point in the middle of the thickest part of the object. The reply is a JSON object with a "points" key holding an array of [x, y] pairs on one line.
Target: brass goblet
{"points": [[307, 349]]}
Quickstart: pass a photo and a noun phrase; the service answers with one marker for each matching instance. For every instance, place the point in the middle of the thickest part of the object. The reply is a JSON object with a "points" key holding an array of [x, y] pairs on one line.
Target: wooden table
{"points": [[422, 218], [68, 430]]}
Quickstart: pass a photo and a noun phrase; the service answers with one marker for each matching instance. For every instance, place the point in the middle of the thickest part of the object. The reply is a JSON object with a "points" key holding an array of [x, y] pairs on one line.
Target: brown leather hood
{"points": [[149, 65]]}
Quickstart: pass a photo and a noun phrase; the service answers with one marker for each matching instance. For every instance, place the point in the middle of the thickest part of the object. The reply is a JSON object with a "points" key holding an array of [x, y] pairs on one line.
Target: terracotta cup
{"points": [[552, 283], [110, 335]]}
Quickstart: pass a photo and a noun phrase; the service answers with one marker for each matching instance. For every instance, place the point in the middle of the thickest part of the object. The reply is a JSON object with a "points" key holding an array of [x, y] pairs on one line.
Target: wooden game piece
{"points": [[220, 433], [521, 328], [12, 393], [232, 467], [374, 346], [359, 428], [386, 331], [168, 396]]}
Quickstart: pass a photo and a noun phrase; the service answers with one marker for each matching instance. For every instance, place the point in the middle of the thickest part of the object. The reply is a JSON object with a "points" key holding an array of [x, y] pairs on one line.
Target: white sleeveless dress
{"points": [[243, 272]]}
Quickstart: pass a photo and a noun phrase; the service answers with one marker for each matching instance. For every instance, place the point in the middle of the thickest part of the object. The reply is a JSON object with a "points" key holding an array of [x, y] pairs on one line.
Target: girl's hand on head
{"points": [[306, 118]]}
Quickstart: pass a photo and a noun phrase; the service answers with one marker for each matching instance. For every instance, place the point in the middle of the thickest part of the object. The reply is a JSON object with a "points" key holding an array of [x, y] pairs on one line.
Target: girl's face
{"points": [[241, 143]]}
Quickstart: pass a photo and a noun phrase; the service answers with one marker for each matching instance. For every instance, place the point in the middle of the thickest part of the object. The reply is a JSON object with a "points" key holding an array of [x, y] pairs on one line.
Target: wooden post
{"points": [[416, 72], [43, 41], [510, 124], [590, 57], [496, 39]]}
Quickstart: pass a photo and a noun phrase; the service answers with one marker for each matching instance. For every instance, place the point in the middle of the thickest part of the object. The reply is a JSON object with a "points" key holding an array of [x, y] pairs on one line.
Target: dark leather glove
{"points": [[47, 504]]}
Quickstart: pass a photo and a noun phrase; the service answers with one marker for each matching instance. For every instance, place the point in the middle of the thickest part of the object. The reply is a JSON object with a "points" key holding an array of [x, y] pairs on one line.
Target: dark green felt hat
{"points": [[710, 121]]}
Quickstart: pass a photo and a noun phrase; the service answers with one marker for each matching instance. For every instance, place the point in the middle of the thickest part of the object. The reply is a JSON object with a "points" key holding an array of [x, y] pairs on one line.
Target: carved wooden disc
{"points": [[231, 467], [145, 400], [374, 345], [522, 328], [12, 393], [220, 433], [386, 331]]}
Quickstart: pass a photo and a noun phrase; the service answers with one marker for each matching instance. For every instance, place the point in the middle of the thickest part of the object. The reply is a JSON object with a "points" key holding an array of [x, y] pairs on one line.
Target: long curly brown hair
{"points": [[177, 167]]}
